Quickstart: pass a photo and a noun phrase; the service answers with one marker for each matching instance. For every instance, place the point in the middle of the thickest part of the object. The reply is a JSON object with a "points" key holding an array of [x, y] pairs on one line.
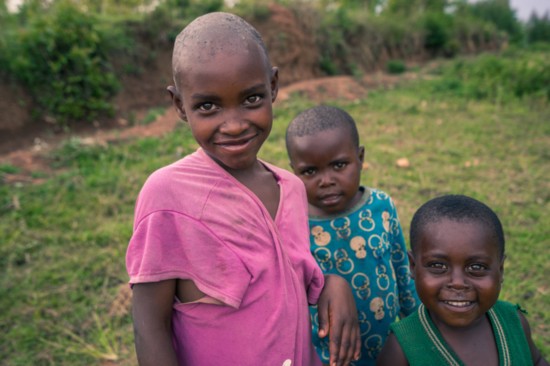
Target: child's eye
{"points": [[437, 267], [308, 171], [340, 165], [253, 99], [206, 107], [477, 269]]}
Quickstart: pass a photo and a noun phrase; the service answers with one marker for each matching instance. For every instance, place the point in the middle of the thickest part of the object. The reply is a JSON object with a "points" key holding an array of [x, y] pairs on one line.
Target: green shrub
{"points": [[499, 78], [500, 14], [253, 9], [538, 29], [60, 57], [438, 31], [396, 67]]}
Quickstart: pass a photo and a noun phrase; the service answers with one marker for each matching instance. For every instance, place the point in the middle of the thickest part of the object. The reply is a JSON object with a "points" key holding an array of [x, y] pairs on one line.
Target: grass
{"points": [[63, 277]]}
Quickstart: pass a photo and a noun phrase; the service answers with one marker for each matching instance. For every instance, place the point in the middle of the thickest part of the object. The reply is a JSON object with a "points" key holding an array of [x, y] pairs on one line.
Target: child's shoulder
{"points": [[378, 193], [507, 309], [186, 170], [408, 323], [191, 178]]}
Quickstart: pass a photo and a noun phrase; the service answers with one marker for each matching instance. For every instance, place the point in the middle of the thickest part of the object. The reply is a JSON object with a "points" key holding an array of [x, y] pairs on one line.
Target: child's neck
{"points": [[474, 345], [262, 183]]}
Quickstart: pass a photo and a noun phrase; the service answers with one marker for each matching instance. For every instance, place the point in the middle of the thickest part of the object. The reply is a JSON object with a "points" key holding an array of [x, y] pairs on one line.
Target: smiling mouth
{"points": [[459, 304], [236, 143]]}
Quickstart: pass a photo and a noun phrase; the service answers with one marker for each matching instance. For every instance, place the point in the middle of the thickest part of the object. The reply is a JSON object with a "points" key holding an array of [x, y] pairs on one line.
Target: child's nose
{"points": [[233, 123], [458, 279], [326, 179]]}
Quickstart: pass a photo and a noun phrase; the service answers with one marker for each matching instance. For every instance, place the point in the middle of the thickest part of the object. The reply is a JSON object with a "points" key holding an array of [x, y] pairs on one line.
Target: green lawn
{"points": [[63, 242]]}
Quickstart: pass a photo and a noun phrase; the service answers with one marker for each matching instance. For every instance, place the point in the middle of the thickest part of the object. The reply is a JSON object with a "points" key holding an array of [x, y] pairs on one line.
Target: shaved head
{"points": [[458, 208], [210, 35], [320, 118]]}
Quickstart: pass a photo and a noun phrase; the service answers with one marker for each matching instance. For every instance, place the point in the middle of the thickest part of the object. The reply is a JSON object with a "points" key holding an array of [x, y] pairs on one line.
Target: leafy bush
{"points": [[253, 9], [500, 14], [538, 29], [60, 57], [396, 67], [499, 78], [438, 31], [333, 34]]}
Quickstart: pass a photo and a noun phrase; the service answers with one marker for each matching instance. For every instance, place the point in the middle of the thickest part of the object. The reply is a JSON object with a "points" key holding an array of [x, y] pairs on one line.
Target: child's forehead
{"points": [[442, 225], [210, 43], [339, 133], [449, 229]]}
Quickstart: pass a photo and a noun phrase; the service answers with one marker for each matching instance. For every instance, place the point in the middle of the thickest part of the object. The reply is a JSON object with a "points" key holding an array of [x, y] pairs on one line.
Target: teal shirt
{"points": [[365, 245], [423, 344]]}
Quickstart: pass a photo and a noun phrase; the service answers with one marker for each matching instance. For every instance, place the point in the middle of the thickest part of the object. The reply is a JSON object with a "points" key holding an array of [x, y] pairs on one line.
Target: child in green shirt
{"points": [[457, 261]]}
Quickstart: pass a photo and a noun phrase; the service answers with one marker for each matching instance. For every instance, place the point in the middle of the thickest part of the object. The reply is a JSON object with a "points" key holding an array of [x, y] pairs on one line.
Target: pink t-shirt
{"points": [[195, 221]]}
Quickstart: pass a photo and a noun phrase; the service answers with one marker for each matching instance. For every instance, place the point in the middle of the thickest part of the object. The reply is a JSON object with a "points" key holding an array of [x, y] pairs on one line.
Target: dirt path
{"points": [[33, 154]]}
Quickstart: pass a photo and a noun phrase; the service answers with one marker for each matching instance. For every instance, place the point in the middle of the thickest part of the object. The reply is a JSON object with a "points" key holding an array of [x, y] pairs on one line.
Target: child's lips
{"points": [[235, 143], [459, 305], [330, 199]]}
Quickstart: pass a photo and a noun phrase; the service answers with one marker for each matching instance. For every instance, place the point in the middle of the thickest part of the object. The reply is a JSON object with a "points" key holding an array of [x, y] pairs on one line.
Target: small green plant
{"points": [[328, 66], [152, 115], [396, 67], [8, 169]]}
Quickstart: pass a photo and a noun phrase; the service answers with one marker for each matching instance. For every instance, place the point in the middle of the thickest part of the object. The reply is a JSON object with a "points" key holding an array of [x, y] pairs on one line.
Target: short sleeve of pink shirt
{"points": [[195, 221], [169, 244]]}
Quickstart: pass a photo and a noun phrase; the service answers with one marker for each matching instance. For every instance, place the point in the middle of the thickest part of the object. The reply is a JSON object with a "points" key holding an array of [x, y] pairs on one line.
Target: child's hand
{"points": [[338, 318]]}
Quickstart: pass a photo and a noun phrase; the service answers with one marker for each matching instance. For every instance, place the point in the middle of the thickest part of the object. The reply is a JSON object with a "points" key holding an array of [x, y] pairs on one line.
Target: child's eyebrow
{"points": [[479, 257], [470, 258], [253, 89], [434, 255], [339, 159], [213, 97], [302, 167]]}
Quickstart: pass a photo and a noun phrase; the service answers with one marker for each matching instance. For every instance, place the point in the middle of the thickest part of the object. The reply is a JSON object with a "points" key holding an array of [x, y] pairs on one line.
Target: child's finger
{"points": [[323, 318], [345, 348]]}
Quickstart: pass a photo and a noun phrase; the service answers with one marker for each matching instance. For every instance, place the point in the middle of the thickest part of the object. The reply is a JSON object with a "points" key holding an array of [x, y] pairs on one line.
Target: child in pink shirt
{"points": [[219, 259]]}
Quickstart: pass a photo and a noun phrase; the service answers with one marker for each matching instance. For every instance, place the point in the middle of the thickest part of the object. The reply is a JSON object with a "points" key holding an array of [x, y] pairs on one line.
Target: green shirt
{"points": [[423, 344]]}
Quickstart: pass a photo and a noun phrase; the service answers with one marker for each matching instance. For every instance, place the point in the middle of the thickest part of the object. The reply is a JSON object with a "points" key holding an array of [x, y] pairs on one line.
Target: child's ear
{"points": [[177, 101], [362, 154], [412, 263], [274, 83]]}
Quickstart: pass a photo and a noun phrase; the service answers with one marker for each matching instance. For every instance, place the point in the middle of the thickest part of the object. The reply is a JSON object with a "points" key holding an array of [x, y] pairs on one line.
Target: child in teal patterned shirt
{"points": [[354, 230]]}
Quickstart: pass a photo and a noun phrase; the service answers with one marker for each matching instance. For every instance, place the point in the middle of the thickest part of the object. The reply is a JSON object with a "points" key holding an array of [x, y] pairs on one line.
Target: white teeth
{"points": [[459, 304]]}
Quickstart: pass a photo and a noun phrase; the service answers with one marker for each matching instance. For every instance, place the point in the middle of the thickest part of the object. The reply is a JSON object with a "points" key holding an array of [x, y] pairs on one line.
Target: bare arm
{"points": [[392, 354], [538, 360], [152, 315], [338, 318]]}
